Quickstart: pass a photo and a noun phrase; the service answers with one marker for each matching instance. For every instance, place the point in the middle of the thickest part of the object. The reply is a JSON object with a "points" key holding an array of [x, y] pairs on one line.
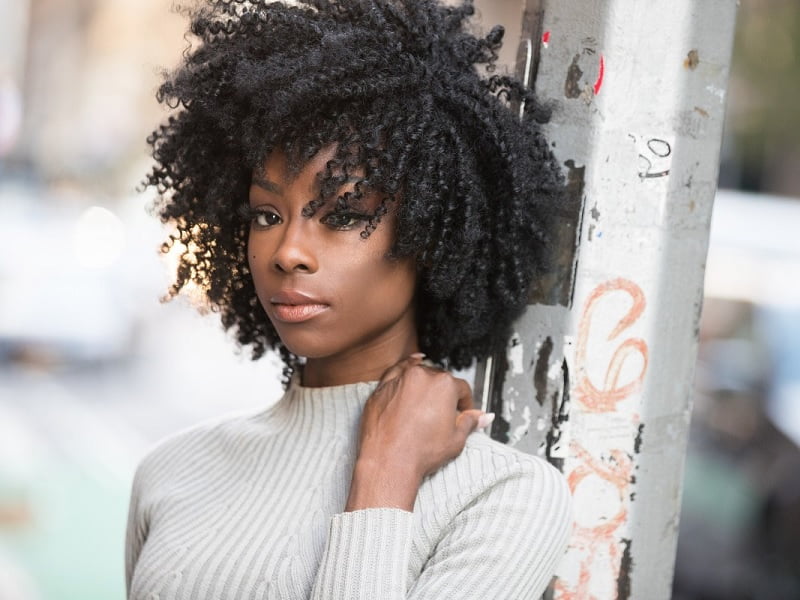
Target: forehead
{"points": [[321, 177]]}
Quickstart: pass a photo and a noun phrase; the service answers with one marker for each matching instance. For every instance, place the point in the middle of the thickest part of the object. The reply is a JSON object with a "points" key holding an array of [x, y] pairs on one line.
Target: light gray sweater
{"points": [[250, 507]]}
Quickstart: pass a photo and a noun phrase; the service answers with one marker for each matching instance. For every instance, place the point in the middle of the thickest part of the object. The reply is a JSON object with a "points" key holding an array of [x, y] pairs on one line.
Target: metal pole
{"points": [[597, 377]]}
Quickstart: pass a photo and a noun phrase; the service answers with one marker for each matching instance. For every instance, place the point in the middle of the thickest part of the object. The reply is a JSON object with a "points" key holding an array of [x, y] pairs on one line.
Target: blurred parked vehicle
{"points": [[71, 288]]}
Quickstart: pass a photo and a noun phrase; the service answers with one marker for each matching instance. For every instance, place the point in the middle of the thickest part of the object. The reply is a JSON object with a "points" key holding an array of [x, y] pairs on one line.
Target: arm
{"points": [[410, 428], [136, 532], [503, 545]]}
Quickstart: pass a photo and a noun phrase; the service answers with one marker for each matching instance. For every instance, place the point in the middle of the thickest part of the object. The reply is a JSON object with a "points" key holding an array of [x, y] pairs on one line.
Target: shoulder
{"points": [[515, 507], [487, 468], [494, 462], [187, 450]]}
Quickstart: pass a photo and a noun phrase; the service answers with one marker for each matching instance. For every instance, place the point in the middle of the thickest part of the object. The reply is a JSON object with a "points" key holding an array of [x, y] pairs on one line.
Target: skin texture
{"points": [[367, 323], [355, 323], [416, 420]]}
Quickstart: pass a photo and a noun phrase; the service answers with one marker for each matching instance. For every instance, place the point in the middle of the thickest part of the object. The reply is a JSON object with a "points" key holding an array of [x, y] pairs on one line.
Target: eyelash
{"points": [[352, 219], [332, 219], [250, 215]]}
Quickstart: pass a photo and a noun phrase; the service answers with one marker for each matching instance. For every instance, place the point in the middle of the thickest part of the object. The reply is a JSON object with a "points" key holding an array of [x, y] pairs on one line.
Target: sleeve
{"points": [[504, 545], [136, 532], [366, 556]]}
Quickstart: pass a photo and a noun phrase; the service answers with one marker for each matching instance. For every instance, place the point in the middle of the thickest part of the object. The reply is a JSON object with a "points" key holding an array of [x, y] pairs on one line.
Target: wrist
{"points": [[379, 485]]}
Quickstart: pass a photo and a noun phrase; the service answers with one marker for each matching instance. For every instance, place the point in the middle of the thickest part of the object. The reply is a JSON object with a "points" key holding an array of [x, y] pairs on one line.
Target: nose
{"points": [[295, 251]]}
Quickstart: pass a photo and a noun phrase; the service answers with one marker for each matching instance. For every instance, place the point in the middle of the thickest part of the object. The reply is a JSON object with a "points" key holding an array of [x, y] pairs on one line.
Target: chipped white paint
{"points": [[514, 355], [521, 429], [716, 91]]}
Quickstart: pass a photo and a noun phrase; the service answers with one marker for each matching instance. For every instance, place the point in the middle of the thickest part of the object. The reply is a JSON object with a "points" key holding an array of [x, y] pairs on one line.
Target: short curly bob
{"points": [[397, 86]]}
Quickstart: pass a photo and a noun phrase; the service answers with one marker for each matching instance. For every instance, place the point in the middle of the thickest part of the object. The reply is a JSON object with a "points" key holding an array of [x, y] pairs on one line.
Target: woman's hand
{"points": [[416, 420]]}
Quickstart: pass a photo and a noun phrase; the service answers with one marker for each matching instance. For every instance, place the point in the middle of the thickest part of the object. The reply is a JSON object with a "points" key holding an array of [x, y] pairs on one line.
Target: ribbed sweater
{"points": [[251, 507]]}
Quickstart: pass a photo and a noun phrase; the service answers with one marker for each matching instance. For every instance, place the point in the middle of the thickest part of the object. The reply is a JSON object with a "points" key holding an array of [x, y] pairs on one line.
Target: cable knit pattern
{"points": [[250, 507]]}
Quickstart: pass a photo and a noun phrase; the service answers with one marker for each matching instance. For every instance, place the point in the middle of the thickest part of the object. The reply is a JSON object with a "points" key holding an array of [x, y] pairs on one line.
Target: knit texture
{"points": [[250, 507]]}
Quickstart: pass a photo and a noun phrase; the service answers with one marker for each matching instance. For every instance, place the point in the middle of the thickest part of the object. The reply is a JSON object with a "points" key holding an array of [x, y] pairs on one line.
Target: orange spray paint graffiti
{"points": [[605, 398], [597, 541]]}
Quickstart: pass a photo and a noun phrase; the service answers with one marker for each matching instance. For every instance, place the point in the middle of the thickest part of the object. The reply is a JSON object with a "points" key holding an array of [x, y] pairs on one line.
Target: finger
{"points": [[485, 420], [397, 368], [464, 393]]}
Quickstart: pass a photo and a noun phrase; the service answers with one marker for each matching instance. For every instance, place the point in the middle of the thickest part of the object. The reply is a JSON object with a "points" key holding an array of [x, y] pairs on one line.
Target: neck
{"points": [[363, 363]]}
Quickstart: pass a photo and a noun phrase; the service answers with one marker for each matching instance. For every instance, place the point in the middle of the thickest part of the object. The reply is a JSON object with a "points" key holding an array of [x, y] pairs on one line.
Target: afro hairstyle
{"points": [[410, 96]]}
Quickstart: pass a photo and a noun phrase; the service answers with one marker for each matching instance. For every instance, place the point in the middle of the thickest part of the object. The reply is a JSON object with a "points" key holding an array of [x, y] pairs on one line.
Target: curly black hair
{"points": [[397, 85]]}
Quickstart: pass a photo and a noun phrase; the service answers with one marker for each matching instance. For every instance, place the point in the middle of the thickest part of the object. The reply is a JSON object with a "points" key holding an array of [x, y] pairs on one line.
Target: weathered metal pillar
{"points": [[597, 377]]}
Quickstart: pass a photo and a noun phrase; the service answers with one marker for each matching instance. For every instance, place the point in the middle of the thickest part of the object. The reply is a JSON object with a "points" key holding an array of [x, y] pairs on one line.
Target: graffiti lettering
{"points": [[600, 477]]}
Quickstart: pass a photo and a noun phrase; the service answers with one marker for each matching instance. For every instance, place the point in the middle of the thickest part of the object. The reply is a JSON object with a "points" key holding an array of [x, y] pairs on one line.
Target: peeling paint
{"points": [[558, 440], [637, 443], [541, 369], [572, 85], [625, 570], [514, 353], [521, 429], [716, 91], [556, 286], [500, 426]]}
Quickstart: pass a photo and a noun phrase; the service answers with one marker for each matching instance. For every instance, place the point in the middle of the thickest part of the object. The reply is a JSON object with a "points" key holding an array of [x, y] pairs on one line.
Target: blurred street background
{"points": [[94, 369]]}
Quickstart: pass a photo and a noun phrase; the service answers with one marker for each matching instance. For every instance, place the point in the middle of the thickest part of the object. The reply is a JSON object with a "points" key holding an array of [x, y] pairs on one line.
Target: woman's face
{"points": [[333, 296]]}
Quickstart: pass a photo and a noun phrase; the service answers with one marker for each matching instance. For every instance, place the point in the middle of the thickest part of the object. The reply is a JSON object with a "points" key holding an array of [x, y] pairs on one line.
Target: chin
{"points": [[306, 345]]}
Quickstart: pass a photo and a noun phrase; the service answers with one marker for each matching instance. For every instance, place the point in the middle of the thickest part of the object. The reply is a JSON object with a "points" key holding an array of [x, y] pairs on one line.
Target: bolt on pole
{"points": [[597, 376]]}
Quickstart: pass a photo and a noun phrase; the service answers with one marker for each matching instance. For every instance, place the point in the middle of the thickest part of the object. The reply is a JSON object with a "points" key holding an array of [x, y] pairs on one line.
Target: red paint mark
{"points": [[546, 39], [597, 544], [600, 74], [598, 547], [605, 398]]}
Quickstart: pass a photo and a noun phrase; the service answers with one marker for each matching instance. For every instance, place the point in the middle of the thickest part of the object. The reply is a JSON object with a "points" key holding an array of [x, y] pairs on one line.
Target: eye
{"points": [[343, 221], [262, 217]]}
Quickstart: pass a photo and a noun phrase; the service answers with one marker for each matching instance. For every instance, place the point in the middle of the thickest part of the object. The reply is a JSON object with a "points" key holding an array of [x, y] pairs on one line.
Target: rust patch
{"points": [[572, 86], [692, 60], [701, 112]]}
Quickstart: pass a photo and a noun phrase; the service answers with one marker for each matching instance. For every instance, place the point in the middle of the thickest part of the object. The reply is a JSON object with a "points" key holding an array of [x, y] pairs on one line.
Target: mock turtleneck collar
{"points": [[336, 407]]}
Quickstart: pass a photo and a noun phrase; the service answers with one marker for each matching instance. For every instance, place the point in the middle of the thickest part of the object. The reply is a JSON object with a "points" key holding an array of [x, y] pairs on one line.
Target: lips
{"points": [[292, 306]]}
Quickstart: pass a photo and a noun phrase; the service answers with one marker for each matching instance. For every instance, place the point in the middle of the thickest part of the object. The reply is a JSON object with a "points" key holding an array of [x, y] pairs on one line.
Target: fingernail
{"points": [[485, 420], [419, 355]]}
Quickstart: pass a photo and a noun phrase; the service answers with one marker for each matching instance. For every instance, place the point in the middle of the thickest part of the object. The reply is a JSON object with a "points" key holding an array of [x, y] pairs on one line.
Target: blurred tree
{"points": [[762, 152]]}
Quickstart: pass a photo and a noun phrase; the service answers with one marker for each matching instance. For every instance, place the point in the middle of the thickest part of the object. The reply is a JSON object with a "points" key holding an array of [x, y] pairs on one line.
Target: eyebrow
{"points": [[273, 187], [268, 185]]}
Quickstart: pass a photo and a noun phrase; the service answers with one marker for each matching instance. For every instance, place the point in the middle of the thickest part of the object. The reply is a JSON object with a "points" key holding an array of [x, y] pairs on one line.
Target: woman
{"points": [[351, 192]]}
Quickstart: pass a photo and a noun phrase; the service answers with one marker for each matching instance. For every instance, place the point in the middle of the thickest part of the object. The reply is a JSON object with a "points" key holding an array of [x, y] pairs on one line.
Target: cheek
{"points": [[387, 286]]}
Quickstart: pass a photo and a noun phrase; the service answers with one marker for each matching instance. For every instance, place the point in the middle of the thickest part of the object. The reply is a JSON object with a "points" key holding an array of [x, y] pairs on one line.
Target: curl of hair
{"points": [[396, 85]]}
